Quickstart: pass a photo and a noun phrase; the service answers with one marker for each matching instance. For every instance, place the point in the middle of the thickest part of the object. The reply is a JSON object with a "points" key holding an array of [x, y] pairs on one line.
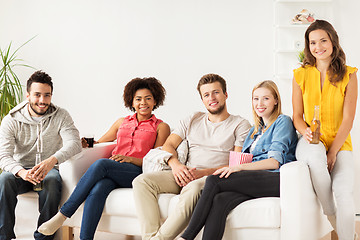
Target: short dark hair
{"points": [[211, 78], [39, 77], [150, 83]]}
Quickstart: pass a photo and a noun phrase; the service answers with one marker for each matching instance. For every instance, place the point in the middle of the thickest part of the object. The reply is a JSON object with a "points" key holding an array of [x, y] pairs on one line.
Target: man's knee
{"points": [[53, 184], [7, 181], [146, 180], [53, 178], [139, 181], [194, 188]]}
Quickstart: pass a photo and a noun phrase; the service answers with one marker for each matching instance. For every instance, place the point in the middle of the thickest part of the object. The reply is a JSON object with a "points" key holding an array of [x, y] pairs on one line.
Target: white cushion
{"points": [[120, 202], [257, 213]]}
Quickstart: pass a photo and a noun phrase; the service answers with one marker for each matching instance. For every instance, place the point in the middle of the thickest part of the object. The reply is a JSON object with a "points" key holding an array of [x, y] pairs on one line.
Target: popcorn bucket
{"points": [[237, 158]]}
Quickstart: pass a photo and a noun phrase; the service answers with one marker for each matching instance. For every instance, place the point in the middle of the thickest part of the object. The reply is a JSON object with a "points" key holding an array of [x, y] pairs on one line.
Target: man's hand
{"points": [[26, 175], [181, 174], [40, 171], [199, 173]]}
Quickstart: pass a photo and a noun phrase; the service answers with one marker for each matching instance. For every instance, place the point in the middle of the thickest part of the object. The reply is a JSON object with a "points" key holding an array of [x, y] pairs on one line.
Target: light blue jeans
{"points": [[11, 187], [339, 184], [95, 185]]}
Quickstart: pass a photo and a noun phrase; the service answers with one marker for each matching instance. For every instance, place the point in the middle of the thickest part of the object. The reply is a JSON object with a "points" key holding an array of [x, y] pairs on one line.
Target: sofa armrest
{"points": [[301, 213], [72, 170]]}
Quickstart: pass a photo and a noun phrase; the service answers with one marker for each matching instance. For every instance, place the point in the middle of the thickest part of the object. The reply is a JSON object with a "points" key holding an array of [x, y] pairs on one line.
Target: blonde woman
{"points": [[326, 81], [272, 141]]}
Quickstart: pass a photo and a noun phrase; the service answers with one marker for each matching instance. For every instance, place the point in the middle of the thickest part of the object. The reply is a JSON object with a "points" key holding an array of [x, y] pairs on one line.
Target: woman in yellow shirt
{"points": [[324, 80]]}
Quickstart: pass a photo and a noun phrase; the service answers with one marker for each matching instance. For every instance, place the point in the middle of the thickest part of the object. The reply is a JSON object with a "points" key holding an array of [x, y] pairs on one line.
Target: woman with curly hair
{"points": [[136, 134]]}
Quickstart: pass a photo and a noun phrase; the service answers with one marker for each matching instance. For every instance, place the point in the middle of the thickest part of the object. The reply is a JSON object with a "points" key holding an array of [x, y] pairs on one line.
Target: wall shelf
{"points": [[289, 37]]}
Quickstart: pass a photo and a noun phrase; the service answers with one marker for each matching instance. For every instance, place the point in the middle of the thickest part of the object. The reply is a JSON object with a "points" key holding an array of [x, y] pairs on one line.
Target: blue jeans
{"points": [[95, 185], [11, 187]]}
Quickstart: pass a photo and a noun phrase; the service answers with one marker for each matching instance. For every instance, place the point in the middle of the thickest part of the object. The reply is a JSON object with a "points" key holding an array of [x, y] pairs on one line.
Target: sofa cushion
{"points": [[120, 202], [261, 212]]}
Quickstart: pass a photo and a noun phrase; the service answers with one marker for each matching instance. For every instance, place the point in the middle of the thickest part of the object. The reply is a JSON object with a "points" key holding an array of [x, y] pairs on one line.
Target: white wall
{"points": [[92, 48]]}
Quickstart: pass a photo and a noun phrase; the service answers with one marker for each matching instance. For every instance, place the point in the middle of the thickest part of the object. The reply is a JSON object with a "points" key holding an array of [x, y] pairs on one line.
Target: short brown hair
{"points": [[211, 78], [150, 83], [39, 77]]}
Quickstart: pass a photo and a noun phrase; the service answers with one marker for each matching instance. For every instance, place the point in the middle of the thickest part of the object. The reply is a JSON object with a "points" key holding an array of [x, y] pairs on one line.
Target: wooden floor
{"points": [[25, 233], [328, 237]]}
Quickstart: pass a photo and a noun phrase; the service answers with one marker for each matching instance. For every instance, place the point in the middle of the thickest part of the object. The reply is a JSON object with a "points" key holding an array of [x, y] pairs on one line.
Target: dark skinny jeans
{"points": [[221, 195]]}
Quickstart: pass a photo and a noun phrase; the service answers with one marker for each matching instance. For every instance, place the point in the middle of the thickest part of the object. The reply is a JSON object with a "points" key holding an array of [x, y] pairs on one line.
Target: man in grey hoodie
{"points": [[34, 127]]}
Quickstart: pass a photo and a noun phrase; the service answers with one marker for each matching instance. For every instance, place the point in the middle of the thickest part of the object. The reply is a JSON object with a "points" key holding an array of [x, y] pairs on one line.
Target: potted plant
{"points": [[11, 92], [301, 56]]}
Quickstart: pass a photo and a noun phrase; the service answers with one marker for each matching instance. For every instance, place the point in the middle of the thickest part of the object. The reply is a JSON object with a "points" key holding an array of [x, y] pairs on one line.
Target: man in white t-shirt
{"points": [[211, 136]]}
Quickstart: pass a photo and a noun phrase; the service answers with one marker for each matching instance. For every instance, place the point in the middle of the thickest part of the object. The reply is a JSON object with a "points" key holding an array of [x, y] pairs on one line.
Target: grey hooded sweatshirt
{"points": [[21, 137]]}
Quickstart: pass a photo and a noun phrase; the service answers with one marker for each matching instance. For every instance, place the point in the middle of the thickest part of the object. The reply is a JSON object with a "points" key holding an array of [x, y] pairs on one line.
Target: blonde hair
{"points": [[270, 85]]}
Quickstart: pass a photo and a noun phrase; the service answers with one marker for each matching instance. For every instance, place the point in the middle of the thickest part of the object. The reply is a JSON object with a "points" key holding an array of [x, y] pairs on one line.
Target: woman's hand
{"points": [[331, 159], [308, 135], [84, 143], [226, 171], [121, 158]]}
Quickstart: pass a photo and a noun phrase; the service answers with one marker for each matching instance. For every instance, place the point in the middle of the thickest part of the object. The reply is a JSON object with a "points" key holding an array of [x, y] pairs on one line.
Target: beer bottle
{"points": [[315, 125], [39, 186]]}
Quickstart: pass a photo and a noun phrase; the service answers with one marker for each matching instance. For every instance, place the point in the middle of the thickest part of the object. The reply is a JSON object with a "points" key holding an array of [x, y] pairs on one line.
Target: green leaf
{"points": [[11, 89]]}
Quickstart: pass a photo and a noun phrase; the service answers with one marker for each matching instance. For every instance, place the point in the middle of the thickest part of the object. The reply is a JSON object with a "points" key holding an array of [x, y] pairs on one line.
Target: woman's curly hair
{"points": [[150, 83]]}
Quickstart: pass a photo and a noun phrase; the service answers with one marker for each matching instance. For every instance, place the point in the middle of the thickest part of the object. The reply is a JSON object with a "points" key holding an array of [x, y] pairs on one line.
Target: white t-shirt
{"points": [[253, 145], [210, 143]]}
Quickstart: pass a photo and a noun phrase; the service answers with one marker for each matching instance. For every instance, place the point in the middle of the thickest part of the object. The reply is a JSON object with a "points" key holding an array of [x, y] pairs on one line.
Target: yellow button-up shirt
{"points": [[330, 99]]}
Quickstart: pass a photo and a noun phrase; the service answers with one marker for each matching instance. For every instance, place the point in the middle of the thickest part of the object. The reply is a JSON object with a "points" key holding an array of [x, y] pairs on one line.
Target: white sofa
{"points": [[296, 215]]}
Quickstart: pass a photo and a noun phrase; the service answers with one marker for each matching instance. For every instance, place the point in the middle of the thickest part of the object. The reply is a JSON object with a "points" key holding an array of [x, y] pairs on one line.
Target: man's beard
{"points": [[39, 113], [217, 111]]}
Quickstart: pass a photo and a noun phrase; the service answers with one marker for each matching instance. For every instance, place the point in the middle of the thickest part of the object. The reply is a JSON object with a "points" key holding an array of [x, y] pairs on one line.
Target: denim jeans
{"points": [[95, 185], [11, 187]]}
